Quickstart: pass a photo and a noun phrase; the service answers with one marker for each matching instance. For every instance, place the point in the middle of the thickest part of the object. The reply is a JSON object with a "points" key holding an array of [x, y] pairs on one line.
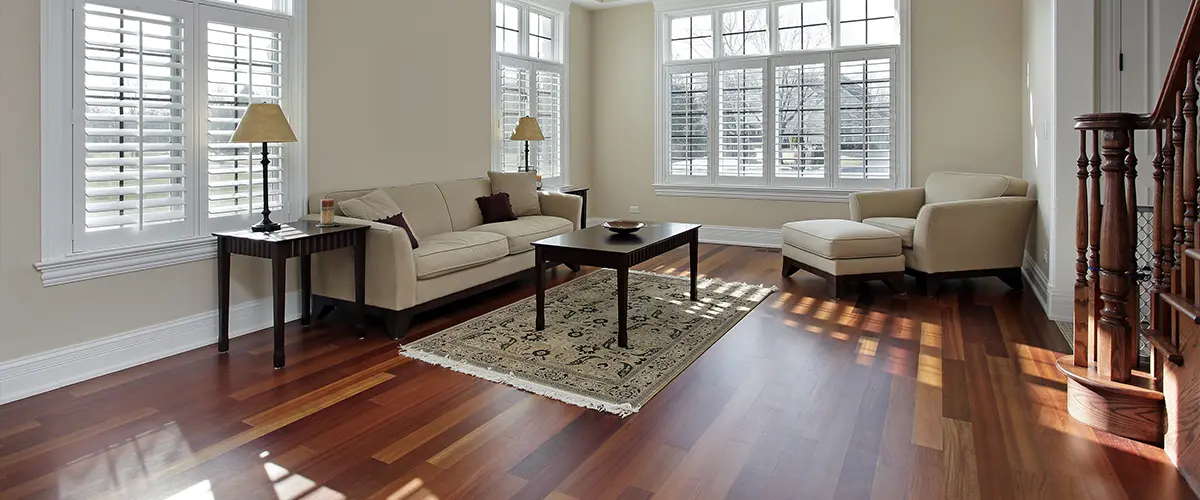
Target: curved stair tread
{"points": [[1139, 386]]}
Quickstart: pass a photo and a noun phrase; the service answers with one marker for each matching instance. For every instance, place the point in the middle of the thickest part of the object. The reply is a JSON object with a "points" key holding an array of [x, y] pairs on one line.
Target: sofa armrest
{"points": [[391, 270], [567, 206], [972, 235], [892, 203]]}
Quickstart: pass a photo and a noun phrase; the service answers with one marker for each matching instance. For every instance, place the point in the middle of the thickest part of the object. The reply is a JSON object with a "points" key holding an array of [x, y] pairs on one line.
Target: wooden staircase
{"points": [[1159, 403]]}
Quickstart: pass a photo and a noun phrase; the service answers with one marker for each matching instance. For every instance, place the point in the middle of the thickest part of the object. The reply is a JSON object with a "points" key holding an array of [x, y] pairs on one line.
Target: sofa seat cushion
{"points": [[445, 253], [902, 226], [525, 230], [841, 239]]}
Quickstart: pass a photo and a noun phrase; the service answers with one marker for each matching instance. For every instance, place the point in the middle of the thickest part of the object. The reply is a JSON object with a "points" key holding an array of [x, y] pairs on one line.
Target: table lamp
{"points": [[527, 130], [264, 123]]}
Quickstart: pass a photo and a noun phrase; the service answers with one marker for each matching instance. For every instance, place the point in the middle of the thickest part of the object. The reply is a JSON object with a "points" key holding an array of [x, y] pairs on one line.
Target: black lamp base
{"points": [[266, 228], [266, 225]]}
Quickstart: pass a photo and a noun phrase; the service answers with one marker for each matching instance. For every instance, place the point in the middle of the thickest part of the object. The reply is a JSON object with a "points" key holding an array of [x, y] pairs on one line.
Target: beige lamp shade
{"points": [[263, 122], [528, 130]]}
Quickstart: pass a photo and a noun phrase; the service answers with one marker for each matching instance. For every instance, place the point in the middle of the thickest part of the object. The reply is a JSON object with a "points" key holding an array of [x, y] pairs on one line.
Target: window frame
{"points": [[769, 186], [62, 260], [559, 13]]}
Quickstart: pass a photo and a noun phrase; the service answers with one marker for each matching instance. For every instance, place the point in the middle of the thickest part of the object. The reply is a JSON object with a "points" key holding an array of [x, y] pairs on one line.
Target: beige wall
{"points": [[580, 93], [966, 110], [1037, 116]]}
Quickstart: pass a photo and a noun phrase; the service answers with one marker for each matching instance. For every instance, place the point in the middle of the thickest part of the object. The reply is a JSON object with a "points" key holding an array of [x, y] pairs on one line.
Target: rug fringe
{"points": [[623, 410]]}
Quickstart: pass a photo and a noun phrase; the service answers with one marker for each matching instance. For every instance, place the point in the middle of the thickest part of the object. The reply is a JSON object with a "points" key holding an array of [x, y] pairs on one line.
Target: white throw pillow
{"points": [[522, 191], [376, 205]]}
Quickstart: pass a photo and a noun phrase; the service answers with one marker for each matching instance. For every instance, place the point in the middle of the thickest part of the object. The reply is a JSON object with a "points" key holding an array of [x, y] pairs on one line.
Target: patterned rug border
{"points": [[512, 380]]}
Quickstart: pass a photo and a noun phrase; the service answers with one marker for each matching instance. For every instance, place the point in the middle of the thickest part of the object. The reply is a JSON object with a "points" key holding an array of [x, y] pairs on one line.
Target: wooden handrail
{"points": [[1186, 49]]}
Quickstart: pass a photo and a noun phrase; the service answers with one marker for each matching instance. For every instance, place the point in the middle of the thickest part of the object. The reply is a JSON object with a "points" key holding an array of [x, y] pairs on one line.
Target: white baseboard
{"points": [[28, 376], [728, 235], [1059, 306]]}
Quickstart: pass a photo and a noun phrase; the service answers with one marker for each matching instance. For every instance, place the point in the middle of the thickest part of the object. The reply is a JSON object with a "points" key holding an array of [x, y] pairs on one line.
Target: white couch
{"points": [[457, 254]]}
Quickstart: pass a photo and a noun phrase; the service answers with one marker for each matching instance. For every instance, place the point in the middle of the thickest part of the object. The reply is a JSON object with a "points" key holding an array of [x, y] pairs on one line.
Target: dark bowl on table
{"points": [[624, 226]]}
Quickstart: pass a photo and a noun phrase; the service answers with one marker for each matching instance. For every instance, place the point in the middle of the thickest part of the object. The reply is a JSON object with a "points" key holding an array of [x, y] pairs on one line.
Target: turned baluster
{"points": [[1189, 178], [1156, 262], [1095, 212], [1167, 220], [1116, 336], [1177, 200], [1081, 264], [1133, 306]]}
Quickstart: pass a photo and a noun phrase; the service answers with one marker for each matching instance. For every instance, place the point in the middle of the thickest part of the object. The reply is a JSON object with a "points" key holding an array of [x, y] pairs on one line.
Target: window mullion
{"points": [[835, 24], [714, 122], [769, 121], [833, 116]]}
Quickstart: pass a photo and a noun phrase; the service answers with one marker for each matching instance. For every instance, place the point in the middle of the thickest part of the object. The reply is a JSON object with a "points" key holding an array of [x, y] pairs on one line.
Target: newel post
{"points": [[1116, 339]]}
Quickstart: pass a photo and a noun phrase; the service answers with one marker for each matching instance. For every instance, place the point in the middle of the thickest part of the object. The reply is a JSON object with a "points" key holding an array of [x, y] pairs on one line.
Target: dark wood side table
{"points": [[597, 246], [296, 239], [581, 192]]}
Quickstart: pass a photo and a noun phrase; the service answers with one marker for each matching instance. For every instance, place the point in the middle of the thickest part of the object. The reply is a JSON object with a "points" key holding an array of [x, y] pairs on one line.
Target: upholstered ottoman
{"points": [[843, 252]]}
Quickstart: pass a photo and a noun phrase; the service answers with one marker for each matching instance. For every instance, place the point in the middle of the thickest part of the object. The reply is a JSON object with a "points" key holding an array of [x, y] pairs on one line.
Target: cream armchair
{"points": [[958, 226]]}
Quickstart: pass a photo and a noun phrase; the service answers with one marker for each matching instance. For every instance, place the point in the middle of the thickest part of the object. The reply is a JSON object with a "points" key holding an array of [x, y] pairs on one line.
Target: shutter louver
{"points": [[800, 121], [133, 119], [244, 66], [741, 128], [549, 114], [865, 119], [689, 124], [514, 104]]}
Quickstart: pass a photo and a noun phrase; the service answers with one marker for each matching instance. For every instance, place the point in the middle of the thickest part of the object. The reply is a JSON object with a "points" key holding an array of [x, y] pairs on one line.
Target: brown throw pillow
{"points": [[398, 220], [496, 208]]}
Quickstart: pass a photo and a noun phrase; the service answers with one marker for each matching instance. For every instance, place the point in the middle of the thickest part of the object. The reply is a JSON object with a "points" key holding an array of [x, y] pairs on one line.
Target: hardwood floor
{"points": [[880, 396]]}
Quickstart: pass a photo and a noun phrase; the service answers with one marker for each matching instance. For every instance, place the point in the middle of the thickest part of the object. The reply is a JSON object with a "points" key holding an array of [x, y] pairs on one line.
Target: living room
{"points": [[448, 308]]}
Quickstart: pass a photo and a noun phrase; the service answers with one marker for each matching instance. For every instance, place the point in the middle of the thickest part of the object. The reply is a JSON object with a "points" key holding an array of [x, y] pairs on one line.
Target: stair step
{"points": [[1163, 345], [1182, 305]]}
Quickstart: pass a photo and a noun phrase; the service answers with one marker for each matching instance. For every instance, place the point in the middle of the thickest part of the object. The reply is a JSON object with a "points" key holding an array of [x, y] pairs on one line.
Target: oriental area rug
{"points": [[576, 359]]}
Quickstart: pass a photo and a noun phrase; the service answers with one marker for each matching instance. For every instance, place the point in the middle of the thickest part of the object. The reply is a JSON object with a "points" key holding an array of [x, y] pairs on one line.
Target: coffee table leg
{"points": [[305, 290], [694, 249], [623, 306], [539, 279]]}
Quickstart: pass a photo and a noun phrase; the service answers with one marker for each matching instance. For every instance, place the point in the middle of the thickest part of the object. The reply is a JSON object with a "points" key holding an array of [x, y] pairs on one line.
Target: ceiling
{"points": [[606, 4]]}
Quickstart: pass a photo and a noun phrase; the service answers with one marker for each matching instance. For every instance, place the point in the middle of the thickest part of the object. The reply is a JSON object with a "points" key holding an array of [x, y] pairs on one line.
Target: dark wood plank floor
{"points": [[881, 396]]}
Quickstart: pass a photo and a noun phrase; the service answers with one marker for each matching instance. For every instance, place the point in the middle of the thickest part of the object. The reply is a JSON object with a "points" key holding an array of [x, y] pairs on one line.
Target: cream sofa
{"points": [[457, 254], [959, 225]]}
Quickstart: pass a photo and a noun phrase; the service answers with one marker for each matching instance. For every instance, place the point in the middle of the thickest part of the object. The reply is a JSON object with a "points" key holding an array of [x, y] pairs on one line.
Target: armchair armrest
{"points": [[567, 206], [892, 203], [391, 270], [970, 235]]}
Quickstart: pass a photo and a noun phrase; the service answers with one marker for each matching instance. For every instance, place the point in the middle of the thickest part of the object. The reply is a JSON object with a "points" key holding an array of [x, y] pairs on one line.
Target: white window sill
{"points": [[776, 193], [99, 264]]}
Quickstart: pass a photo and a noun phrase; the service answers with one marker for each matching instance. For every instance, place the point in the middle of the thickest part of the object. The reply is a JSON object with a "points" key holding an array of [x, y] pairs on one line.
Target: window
{"points": [[530, 81], [141, 99], [788, 107]]}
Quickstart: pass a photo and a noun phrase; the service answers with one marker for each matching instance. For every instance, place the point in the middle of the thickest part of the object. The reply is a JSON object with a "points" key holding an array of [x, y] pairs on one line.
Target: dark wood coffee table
{"points": [[599, 247]]}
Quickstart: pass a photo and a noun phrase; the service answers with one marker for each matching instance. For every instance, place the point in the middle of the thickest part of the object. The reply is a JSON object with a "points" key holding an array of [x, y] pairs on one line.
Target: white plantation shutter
{"points": [[514, 104], [865, 117], [130, 95], [741, 123], [530, 80], [800, 122], [548, 110], [689, 120], [244, 66]]}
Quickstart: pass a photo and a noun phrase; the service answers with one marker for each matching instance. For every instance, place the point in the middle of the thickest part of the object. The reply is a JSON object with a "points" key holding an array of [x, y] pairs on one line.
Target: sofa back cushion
{"points": [[460, 198], [955, 186], [422, 204]]}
